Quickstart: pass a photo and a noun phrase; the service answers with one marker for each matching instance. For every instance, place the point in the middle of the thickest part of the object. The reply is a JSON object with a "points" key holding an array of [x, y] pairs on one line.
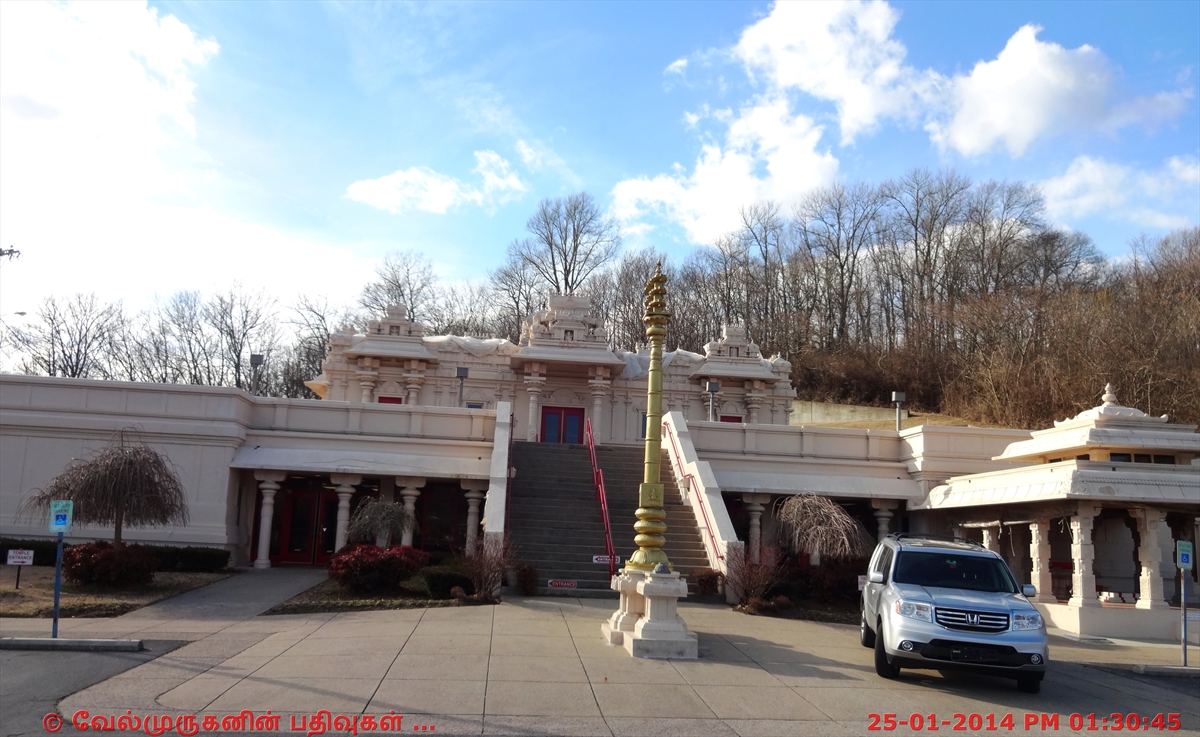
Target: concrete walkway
{"points": [[191, 615], [538, 666]]}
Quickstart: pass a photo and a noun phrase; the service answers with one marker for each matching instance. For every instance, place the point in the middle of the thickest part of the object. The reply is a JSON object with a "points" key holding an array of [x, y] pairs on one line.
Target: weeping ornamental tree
{"points": [[818, 525], [378, 521], [128, 484]]}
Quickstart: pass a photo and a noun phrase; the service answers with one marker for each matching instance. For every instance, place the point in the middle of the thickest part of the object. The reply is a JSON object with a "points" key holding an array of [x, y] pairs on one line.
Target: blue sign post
{"points": [[1184, 551], [60, 522]]}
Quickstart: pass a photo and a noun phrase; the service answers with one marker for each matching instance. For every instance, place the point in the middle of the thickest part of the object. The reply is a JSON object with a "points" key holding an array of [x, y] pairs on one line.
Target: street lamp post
{"points": [[256, 362], [898, 398], [461, 372], [712, 387]]}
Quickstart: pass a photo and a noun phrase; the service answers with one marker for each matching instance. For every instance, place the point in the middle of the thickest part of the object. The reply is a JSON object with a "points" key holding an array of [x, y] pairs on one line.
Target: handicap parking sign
{"points": [[1183, 553], [60, 515]]}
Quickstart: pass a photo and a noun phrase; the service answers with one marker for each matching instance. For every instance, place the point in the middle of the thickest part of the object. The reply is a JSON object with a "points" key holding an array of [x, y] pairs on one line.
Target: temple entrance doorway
{"points": [[562, 425], [304, 526]]}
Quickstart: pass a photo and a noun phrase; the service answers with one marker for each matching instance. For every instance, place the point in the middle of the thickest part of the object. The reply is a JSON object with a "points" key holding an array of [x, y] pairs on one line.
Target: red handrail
{"points": [[512, 428], [695, 495], [602, 497]]}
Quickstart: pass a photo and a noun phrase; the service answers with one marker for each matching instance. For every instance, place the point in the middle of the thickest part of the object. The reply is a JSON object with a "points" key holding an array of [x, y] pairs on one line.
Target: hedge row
{"points": [[190, 559]]}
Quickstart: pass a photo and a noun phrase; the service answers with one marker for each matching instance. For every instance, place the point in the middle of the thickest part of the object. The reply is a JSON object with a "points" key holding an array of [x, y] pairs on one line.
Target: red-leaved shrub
{"points": [[368, 569], [102, 564]]}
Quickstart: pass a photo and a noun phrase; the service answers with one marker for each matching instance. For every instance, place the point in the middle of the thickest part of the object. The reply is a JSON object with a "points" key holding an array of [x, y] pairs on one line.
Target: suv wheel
{"points": [[866, 637], [882, 667], [1029, 685]]}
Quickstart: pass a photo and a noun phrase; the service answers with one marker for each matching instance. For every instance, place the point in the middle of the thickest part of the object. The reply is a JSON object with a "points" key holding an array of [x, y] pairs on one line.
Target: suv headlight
{"points": [[1027, 621], [914, 610]]}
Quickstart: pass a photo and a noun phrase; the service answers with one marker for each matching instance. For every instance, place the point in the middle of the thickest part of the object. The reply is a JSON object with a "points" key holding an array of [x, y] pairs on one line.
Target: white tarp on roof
{"points": [[824, 485], [637, 365], [474, 346]]}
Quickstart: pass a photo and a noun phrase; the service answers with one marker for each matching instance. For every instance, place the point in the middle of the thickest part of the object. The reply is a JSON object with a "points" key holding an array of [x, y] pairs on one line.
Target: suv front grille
{"points": [[961, 619]]}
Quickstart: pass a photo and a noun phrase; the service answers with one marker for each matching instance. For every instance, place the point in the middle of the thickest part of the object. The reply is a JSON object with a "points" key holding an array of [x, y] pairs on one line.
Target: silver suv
{"points": [[950, 604]]}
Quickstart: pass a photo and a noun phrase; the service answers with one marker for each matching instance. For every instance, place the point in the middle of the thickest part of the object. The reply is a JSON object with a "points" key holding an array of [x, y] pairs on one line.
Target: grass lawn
{"points": [[328, 596], [35, 598]]}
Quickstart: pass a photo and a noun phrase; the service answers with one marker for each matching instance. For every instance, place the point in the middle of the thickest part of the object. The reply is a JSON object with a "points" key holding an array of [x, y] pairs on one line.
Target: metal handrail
{"points": [[695, 494], [602, 497]]}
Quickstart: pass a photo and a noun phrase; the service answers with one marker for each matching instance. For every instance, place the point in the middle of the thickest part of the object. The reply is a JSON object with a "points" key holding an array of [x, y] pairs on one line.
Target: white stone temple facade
{"points": [[1087, 511]]}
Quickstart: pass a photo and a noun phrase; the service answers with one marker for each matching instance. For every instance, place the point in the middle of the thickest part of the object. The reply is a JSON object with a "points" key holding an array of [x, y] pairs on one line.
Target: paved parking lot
{"points": [[539, 666]]}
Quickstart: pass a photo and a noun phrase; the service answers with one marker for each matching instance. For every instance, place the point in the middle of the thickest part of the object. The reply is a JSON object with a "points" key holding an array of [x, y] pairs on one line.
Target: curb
{"points": [[68, 645], [1177, 671]]}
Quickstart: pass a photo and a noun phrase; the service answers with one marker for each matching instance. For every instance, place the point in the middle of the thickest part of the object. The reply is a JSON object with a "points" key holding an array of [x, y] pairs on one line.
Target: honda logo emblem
{"points": [[973, 619]]}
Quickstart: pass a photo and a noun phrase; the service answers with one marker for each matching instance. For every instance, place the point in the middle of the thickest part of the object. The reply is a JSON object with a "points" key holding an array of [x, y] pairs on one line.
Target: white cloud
{"points": [[102, 186], [422, 188], [768, 153], [1093, 185], [679, 66], [845, 53], [840, 52], [1035, 88]]}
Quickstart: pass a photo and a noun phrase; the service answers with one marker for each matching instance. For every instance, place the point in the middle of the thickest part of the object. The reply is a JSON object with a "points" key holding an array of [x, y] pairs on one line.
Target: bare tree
{"points": [[404, 278], [243, 323], [518, 289], [71, 339], [571, 239], [126, 484]]}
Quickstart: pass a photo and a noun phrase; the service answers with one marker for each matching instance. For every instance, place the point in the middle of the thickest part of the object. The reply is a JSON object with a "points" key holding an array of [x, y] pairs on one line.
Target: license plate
{"points": [[974, 654]]}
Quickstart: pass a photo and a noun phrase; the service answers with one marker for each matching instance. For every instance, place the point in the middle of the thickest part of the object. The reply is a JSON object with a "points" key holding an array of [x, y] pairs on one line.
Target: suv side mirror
{"points": [[875, 577], [1029, 591]]}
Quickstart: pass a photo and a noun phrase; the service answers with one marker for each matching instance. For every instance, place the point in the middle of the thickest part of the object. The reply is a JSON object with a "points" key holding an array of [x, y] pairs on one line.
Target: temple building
{"points": [[486, 437]]}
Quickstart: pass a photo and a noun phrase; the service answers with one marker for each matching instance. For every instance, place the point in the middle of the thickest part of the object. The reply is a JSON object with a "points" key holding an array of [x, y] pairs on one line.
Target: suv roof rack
{"points": [[898, 536]]}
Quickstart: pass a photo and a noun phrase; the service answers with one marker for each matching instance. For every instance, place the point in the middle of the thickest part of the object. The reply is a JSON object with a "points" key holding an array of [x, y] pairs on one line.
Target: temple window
{"points": [[1165, 460], [1120, 457], [391, 400], [568, 335], [1141, 458], [474, 405], [1084, 457], [733, 353]]}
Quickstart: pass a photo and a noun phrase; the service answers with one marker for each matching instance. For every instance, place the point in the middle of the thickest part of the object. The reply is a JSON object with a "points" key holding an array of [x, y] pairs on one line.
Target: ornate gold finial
{"points": [[651, 525]]}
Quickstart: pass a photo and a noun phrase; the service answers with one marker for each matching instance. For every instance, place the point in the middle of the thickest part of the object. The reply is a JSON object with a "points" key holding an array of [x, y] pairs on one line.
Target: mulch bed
{"points": [[35, 598], [832, 612], [328, 596]]}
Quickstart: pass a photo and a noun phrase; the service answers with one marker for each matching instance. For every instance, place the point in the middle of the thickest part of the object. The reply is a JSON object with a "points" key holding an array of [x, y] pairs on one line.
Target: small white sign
{"points": [[558, 583], [604, 559], [862, 582], [1193, 616], [20, 557]]}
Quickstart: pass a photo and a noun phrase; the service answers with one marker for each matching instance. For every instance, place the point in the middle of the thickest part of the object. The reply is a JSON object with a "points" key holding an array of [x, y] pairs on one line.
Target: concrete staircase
{"points": [[555, 518]]}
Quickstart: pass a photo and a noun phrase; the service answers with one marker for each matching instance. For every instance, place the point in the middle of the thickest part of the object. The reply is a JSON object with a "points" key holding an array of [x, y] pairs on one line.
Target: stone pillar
{"points": [[367, 381], [475, 489], [533, 384], [345, 489], [755, 505], [1039, 553], [1150, 594], [268, 483], [599, 385], [1083, 554], [991, 538], [883, 516], [410, 489]]}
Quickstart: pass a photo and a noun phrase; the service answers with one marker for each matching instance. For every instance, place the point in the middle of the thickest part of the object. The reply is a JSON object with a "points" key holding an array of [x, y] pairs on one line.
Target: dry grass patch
{"points": [[913, 420], [35, 598]]}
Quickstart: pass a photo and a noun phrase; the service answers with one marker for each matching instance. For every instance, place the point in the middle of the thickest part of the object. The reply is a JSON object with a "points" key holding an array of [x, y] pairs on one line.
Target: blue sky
{"points": [[146, 149]]}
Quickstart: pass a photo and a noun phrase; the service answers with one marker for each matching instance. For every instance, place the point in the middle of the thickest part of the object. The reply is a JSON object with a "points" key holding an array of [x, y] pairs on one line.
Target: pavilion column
{"points": [[345, 489], [883, 516], [268, 483], [534, 381], [991, 538], [1083, 554], [599, 385], [1149, 522], [755, 506], [410, 489], [1039, 553], [476, 492]]}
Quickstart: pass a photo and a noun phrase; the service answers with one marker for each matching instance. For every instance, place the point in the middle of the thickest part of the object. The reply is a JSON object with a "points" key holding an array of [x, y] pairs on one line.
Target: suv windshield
{"points": [[954, 571]]}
